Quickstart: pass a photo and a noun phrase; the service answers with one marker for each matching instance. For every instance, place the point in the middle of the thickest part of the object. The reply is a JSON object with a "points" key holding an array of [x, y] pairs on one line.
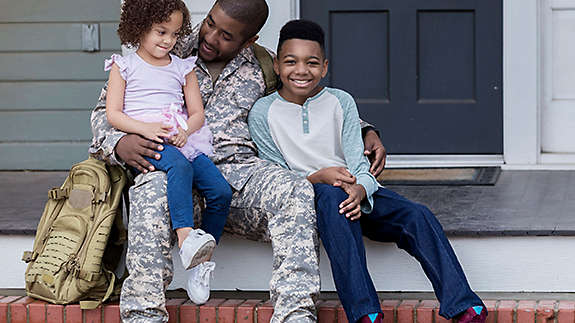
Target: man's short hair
{"points": [[302, 29], [252, 13]]}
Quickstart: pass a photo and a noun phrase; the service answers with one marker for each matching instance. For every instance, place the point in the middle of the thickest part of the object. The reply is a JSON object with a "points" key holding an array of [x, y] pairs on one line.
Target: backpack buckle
{"points": [[58, 193]]}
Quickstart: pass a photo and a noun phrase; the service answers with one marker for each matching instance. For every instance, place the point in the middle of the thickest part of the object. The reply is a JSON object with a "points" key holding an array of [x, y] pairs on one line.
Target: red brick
{"points": [[172, 306], [55, 313], [37, 312], [546, 311], [388, 309], [506, 311], [566, 312], [438, 318], [18, 310], [405, 311], [341, 317], [425, 311], [327, 311], [4, 307], [111, 313], [93, 316], [265, 312], [526, 311], [208, 311], [491, 313], [227, 310], [188, 312], [73, 313], [245, 312]]}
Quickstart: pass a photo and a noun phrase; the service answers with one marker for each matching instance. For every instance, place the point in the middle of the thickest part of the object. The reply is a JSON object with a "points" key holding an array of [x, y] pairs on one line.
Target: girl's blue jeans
{"points": [[394, 219], [202, 174]]}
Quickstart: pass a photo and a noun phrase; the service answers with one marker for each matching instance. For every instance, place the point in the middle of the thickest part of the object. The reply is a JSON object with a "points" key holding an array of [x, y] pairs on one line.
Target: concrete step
{"points": [[22, 309]]}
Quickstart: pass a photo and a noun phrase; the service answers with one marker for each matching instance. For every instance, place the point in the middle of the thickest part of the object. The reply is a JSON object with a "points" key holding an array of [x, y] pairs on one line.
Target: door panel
{"points": [[558, 110], [427, 73]]}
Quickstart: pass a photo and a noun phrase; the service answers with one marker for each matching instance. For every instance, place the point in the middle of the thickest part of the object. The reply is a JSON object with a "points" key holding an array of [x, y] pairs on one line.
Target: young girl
{"points": [[146, 94]]}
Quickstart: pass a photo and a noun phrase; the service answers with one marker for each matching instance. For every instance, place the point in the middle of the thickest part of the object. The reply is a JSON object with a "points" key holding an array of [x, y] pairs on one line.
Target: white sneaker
{"points": [[198, 287], [197, 248]]}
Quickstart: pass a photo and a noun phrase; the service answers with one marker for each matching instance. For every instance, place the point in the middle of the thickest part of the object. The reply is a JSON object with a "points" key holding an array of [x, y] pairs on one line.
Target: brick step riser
{"points": [[18, 309]]}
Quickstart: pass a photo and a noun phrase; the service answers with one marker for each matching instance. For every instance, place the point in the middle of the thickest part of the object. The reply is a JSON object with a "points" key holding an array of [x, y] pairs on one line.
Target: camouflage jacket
{"points": [[227, 102]]}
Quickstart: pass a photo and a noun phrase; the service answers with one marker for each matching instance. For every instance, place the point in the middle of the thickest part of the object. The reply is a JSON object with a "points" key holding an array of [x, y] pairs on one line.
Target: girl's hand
{"points": [[332, 176], [351, 206], [155, 131], [179, 139]]}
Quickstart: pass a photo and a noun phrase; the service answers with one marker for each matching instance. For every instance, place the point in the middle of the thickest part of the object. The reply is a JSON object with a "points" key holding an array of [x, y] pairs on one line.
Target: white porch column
{"points": [[521, 82]]}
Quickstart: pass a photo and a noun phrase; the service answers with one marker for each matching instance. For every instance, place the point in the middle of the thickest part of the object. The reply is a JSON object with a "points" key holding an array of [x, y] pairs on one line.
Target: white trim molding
{"points": [[521, 87], [420, 161]]}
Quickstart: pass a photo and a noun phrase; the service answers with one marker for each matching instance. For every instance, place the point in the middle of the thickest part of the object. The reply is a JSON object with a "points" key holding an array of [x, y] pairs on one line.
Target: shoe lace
{"points": [[206, 272]]}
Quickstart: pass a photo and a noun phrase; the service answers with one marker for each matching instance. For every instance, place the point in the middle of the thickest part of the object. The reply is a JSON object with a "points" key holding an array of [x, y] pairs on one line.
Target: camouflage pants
{"points": [[274, 205]]}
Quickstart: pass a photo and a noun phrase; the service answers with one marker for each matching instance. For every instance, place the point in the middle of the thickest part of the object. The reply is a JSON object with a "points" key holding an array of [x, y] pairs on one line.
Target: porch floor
{"points": [[522, 203]]}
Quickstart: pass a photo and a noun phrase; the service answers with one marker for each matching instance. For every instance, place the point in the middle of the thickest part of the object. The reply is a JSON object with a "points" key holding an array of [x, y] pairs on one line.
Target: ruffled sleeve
{"points": [[188, 65], [120, 61]]}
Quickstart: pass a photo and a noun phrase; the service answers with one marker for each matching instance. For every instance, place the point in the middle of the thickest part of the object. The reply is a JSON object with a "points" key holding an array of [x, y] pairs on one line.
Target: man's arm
{"points": [[116, 147], [374, 149], [104, 136]]}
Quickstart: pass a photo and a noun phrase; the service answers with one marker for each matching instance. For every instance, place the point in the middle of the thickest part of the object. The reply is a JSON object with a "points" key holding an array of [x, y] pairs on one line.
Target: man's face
{"points": [[221, 37], [301, 65]]}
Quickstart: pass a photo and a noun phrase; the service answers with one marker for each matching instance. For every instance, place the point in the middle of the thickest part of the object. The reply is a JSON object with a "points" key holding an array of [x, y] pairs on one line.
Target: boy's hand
{"points": [[351, 206], [335, 176], [179, 139], [155, 131]]}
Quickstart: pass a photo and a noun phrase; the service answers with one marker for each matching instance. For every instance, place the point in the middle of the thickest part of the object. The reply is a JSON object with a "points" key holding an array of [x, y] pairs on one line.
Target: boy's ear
{"points": [[276, 66], [325, 66], [250, 41]]}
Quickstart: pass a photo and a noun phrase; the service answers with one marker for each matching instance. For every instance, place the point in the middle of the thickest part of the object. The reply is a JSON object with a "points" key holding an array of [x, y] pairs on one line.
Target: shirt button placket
{"points": [[305, 119]]}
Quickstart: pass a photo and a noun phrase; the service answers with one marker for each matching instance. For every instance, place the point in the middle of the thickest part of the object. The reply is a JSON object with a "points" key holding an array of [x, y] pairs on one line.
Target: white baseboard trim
{"points": [[558, 159], [419, 161], [492, 264]]}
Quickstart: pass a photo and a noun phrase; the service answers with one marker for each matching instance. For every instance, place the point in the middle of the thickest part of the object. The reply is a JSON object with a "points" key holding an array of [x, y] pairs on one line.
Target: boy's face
{"points": [[300, 65]]}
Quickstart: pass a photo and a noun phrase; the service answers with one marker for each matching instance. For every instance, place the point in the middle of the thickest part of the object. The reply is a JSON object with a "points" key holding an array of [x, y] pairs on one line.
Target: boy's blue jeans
{"points": [[183, 175], [394, 219]]}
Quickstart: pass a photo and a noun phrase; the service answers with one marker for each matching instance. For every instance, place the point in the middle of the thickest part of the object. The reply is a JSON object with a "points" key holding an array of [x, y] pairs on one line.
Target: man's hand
{"points": [[132, 149], [351, 207], [332, 176], [179, 139], [375, 152]]}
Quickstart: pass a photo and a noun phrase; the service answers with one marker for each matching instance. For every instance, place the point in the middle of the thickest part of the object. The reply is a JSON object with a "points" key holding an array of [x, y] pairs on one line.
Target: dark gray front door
{"points": [[427, 73]]}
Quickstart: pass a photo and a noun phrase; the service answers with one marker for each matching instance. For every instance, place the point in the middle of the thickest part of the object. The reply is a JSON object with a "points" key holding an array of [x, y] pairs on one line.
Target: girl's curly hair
{"points": [[138, 16]]}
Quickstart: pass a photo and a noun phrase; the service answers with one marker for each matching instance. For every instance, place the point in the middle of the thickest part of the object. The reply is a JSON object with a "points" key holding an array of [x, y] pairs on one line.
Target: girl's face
{"points": [[156, 44]]}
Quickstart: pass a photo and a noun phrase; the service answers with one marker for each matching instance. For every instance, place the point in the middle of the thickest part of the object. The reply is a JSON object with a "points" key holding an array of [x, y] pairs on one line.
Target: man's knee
{"points": [[150, 183]]}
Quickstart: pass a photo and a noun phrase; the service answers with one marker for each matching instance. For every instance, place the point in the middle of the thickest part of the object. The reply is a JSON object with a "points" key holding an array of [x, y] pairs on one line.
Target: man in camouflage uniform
{"points": [[269, 203]]}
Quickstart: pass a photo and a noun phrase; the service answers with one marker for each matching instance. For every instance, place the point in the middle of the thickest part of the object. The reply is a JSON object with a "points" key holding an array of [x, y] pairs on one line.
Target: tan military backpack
{"points": [[79, 239]]}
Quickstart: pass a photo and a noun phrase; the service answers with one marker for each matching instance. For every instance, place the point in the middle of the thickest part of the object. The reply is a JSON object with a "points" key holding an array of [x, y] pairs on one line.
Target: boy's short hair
{"points": [[302, 29]]}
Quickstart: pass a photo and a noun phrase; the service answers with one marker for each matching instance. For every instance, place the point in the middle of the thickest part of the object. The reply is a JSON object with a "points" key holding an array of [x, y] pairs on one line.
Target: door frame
{"points": [[546, 7]]}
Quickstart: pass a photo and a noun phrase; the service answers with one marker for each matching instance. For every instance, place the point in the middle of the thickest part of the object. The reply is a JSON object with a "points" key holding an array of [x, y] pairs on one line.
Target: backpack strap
{"points": [[267, 65]]}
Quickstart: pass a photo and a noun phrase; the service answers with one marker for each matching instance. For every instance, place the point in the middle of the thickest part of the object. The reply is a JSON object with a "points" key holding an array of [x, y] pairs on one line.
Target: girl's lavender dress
{"points": [[155, 94]]}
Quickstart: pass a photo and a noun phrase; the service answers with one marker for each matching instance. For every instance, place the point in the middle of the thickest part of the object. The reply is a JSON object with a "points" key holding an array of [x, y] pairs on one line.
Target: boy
{"points": [[315, 132]]}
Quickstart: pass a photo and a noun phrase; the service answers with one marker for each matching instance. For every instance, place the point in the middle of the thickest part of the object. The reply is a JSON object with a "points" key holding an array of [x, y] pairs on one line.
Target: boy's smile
{"points": [[301, 65]]}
